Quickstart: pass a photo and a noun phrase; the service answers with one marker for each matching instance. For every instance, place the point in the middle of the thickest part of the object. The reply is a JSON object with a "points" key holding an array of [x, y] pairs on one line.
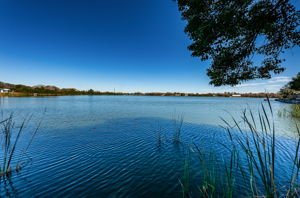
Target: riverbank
{"points": [[289, 101], [13, 90], [79, 93]]}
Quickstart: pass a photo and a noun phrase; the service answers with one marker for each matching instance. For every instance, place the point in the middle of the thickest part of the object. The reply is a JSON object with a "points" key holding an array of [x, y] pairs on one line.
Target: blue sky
{"points": [[134, 45]]}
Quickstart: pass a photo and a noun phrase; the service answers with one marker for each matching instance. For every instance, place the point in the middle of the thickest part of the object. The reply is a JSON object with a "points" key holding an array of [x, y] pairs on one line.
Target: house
{"points": [[236, 95], [4, 90]]}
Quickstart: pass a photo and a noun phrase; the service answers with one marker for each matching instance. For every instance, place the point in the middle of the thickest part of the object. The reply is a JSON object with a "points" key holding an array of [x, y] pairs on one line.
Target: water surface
{"points": [[107, 146]]}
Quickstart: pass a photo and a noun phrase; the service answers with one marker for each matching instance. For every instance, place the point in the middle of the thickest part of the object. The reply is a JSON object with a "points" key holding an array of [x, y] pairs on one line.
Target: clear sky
{"points": [[132, 45]]}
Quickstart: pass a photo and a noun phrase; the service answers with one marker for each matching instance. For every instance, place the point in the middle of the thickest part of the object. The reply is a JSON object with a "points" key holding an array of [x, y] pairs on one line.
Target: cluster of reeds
{"points": [[185, 182], [216, 181], [209, 182], [159, 136], [259, 144], [178, 129], [283, 113], [253, 156], [295, 110], [292, 111], [10, 137]]}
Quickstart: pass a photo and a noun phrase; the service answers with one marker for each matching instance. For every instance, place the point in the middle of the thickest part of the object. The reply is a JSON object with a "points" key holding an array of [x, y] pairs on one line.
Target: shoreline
{"points": [[288, 101], [18, 94]]}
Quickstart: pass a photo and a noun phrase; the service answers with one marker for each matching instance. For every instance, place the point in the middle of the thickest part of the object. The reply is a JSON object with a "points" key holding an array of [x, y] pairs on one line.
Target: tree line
{"points": [[46, 90]]}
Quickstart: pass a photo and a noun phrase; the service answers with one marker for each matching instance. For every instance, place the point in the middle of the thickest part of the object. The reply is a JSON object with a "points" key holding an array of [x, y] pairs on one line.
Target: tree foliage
{"points": [[232, 32], [291, 88], [286, 91], [295, 83]]}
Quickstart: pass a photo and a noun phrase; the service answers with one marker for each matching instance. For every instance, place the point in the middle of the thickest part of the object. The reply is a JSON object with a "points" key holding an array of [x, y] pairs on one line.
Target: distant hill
{"points": [[35, 89], [4, 85], [14, 86]]}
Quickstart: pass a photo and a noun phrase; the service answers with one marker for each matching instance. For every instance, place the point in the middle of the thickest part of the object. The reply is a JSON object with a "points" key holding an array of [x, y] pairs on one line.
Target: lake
{"points": [[121, 146]]}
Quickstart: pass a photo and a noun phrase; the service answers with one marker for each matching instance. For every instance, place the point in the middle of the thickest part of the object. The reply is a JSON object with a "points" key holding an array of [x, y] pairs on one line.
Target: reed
{"points": [[11, 134], [159, 136], [259, 145], [178, 129], [208, 186], [295, 110], [252, 156], [185, 182]]}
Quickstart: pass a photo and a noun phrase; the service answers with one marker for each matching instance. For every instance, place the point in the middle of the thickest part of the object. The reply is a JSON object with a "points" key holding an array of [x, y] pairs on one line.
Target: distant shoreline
{"points": [[12, 90], [289, 101], [227, 95]]}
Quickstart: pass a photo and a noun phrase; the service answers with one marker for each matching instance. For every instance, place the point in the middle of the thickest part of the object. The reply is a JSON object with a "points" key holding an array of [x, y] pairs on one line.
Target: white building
{"points": [[4, 90], [236, 95]]}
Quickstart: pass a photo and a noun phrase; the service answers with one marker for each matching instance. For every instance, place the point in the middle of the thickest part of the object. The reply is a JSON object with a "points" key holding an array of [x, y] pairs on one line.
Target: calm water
{"points": [[107, 146]]}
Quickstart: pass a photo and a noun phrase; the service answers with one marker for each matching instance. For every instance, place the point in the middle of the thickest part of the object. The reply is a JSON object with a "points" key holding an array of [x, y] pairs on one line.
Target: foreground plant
{"points": [[10, 135], [178, 129], [293, 111], [252, 155], [259, 145]]}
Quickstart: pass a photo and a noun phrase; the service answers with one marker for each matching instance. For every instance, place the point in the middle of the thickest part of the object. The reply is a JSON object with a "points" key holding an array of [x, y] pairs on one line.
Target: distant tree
{"points": [[232, 32], [295, 83], [286, 91], [91, 91], [291, 87]]}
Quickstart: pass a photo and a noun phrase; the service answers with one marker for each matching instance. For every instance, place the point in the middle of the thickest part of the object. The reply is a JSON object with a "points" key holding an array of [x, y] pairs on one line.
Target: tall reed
{"points": [[185, 182], [292, 111], [259, 144], [10, 135], [295, 110], [178, 129], [208, 186], [252, 156], [159, 136]]}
